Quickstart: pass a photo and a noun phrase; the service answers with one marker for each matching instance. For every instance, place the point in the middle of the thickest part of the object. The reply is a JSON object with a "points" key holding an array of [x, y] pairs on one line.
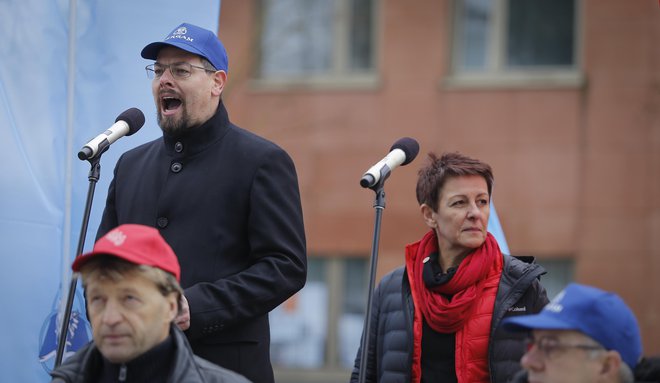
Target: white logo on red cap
{"points": [[116, 237]]}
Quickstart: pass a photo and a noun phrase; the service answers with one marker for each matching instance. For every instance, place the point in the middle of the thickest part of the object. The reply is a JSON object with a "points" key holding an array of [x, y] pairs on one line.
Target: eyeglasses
{"points": [[178, 70], [550, 345]]}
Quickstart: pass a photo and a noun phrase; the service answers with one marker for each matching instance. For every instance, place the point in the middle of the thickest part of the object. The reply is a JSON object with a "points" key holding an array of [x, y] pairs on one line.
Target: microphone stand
{"points": [[379, 205], [94, 174]]}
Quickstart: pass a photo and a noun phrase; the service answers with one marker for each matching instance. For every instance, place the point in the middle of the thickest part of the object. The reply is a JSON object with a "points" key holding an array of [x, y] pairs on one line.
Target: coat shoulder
{"points": [[217, 374]]}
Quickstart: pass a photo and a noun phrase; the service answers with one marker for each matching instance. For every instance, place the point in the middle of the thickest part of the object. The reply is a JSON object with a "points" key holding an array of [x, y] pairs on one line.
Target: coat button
{"points": [[162, 222], [176, 167], [178, 147]]}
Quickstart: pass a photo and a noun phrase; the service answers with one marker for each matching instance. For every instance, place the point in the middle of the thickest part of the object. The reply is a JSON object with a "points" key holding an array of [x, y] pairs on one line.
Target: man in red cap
{"points": [[131, 281]]}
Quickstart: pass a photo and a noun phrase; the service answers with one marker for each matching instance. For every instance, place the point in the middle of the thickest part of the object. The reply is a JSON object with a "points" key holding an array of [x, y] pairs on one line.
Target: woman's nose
{"points": [[473, 211]]}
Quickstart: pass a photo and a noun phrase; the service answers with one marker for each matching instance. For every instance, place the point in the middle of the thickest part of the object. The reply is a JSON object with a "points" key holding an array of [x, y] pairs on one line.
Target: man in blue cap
{"points": [[225, 199], [583, 335]]}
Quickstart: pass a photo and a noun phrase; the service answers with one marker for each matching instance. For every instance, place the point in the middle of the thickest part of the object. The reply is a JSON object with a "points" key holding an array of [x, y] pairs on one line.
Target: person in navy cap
{"points": [[131, 281], [584, 334], [225, 199]]}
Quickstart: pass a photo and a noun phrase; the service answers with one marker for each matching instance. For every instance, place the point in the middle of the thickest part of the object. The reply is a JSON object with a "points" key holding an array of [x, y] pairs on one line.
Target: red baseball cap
{"points": [[139, 244]]}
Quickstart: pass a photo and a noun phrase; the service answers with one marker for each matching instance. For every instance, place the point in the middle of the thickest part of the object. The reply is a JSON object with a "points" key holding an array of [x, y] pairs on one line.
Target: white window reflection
{"points": [[297, 36], [312, 38], [475, 29], [320, 327], [299, 328]]}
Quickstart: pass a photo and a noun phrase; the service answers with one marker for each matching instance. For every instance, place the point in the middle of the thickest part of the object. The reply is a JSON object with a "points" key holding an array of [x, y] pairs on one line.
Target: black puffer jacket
{"points": [[391, 337], [187, 367]]}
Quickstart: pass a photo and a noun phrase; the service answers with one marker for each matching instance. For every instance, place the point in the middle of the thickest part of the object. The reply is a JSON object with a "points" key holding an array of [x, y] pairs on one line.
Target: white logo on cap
{"points": [[116, 237], [180, 33]]}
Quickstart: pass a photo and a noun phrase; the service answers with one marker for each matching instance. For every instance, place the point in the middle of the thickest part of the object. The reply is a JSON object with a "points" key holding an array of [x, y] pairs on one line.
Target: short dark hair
{"points": [[207, 64], [432, 176]]}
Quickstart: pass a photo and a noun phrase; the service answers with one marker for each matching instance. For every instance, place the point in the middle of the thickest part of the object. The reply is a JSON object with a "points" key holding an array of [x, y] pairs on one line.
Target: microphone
{"points": [[402, 152], [129, 122]]}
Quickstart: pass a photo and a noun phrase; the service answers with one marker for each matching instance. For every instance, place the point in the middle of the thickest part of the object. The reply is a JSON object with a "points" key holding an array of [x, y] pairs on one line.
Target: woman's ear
{"points": [[428, 215]]}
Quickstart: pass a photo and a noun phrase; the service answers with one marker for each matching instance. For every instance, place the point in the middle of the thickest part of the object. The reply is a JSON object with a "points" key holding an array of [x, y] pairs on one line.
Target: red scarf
{"points": [[465, 286], [440, 313]]}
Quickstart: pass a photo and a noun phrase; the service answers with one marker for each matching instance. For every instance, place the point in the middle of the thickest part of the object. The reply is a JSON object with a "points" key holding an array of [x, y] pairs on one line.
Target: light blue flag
{"points": [[67, 70], [495, 228]]}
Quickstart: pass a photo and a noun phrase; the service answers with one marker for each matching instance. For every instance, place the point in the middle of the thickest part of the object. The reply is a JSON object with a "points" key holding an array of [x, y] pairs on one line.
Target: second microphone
{"points": [[402, 152]]}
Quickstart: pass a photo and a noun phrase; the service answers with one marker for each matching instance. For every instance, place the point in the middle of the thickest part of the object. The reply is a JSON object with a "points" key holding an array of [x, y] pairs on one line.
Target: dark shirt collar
{"points": [[199, 138], [432, 272]]}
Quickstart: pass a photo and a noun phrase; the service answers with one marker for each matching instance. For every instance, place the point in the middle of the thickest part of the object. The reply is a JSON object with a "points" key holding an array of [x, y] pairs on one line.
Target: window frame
{"points": [[560, 269], [340, 76], [332, 370], [497, 74]]}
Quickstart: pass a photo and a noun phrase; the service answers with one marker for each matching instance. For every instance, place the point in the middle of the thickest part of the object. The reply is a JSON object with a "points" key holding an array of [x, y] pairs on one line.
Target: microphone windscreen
{"points": [[134, 118], [409, 146]]}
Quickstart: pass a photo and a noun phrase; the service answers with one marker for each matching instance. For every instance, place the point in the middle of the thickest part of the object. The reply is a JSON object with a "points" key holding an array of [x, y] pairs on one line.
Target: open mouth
{"points": [[170, 104]]}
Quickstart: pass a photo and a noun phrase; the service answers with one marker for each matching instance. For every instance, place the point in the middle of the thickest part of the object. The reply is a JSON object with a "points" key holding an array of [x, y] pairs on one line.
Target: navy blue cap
{"points": [[193, 39], [599, 314]]}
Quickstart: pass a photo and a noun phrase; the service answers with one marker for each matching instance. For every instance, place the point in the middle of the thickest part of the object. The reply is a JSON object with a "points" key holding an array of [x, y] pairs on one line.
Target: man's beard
{"points": [[171, 126]]}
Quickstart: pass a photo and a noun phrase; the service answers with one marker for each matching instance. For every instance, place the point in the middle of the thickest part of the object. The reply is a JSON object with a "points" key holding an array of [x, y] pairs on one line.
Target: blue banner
{"points": [[68, 68], [495, 228]]}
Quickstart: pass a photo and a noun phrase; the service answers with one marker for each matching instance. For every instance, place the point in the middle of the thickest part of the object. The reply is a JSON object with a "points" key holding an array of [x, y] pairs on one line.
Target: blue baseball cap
{"points": [[193, 39], [599, 314]]}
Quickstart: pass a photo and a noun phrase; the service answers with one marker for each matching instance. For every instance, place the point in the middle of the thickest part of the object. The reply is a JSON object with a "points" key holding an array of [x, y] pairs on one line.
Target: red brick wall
{"points": [[577, 169]]}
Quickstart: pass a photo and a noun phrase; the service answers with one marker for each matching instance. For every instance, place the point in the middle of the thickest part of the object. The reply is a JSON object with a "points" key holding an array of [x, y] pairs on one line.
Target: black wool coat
{"points": [[227, 201]]}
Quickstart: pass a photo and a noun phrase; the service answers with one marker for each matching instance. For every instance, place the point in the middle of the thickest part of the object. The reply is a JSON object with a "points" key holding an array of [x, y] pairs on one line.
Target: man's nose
{"points": [[532, 360], [111, 314], [166, 77]]}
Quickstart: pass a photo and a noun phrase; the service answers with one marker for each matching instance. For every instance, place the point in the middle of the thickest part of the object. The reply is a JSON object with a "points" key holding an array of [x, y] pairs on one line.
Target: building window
{"points": [[317, 332], [540, 33], [307, 40], [559, 274], [515, 39], [353, 309]]}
